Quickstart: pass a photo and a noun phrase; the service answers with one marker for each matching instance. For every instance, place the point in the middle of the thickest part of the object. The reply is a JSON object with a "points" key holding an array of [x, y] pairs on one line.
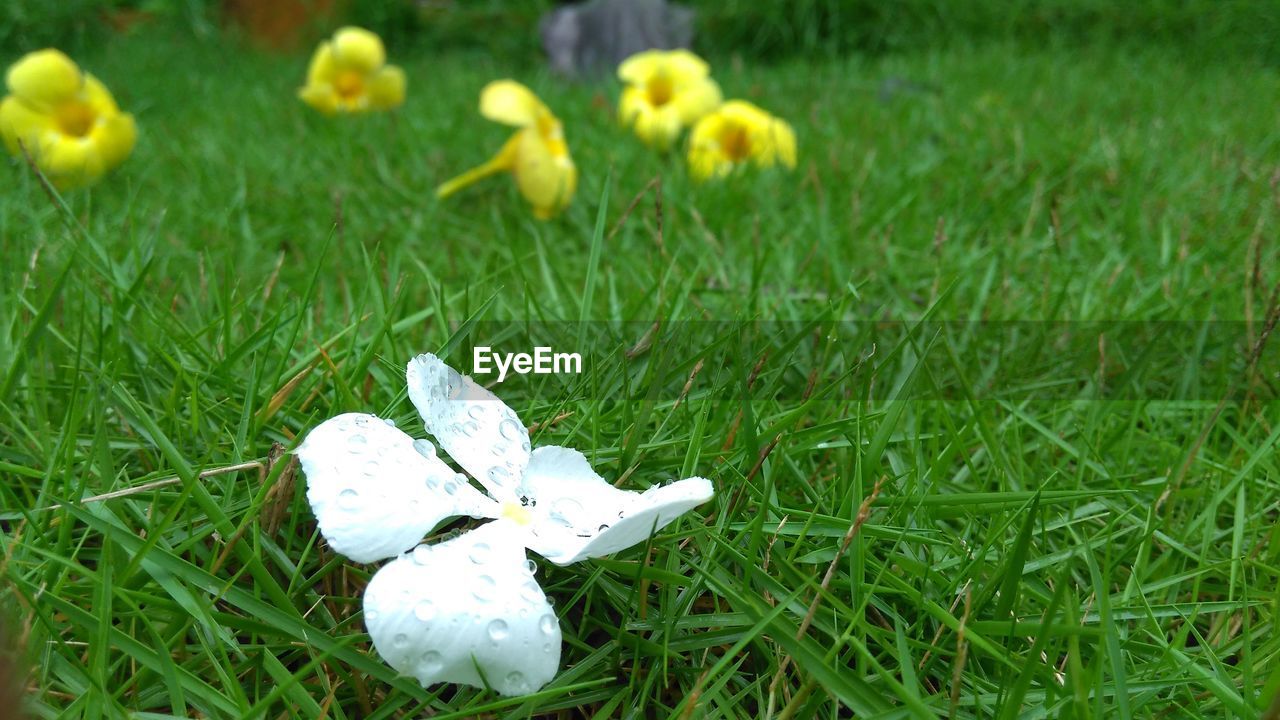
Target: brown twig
{"points": [[864, 512]]}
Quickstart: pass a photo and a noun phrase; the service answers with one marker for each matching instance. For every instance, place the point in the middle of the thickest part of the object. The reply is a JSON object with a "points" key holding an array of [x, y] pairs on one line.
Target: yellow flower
{"points": [[67, 120], [667, 90], [350, 74], [736, 134], [536, 155]]}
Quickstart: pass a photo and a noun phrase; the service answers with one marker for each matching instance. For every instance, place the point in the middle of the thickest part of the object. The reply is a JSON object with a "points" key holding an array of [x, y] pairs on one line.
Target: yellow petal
{"points": [[44, 78], [99, 97], [510, 103], [358, 49], [502, 162], [680, 65], [320, 96], [658, 127], [386, 89], [706, 158], [545, 174], [696, 99], [782, 141], [321, 70], [19, 122], [113, 138], [69, 161], [631, 104]]}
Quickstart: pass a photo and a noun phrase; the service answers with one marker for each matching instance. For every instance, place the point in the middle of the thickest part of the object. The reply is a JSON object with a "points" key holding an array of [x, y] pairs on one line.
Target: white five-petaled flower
{"points": [[468, 610]]}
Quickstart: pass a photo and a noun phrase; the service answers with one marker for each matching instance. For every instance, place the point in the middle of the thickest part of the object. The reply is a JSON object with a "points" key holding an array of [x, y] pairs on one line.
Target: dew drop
{"points": [[424, 611], [433, 482], [498, 630], [498, 476], [516, 684], [424, 447], [479, 553], [476, 411], [484, 589], [389, 422], [431, 662], [511, 430], [531, 592], [567, 506], [358, 439], [547, 648], [370, 616], [548, 624], [530, 567], [400, 640], [452, 384], [602, 528], [524, 445], [450, 487], [348, 499]]}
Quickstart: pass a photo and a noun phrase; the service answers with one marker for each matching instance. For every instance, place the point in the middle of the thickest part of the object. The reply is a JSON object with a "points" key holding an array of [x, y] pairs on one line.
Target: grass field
{"points": [[1088, 532]]}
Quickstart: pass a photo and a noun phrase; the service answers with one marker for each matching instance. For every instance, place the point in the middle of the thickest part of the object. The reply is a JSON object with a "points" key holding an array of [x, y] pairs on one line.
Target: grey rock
{"points": [[590, 39]]}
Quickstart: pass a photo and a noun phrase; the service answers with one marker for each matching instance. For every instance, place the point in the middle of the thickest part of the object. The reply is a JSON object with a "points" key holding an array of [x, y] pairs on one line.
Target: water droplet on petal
{"points": [[431, 662], [524, 445], [400, 640], [516, 684], [450, 487], [548, 624], [389, 422], [433, 482], [424, 611], [498, 630], [484, 588], [370, 616], [498, 476], [424, 447], [452, 384], [348, 499], [476, 411], [531, 592], [357, 440], [530, 567], [480, 553], [547, 648], [602, 528], [422, 554], [511, 430]]}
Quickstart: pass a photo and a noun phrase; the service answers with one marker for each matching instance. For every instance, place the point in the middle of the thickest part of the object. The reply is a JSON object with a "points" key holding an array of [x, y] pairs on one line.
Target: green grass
{"points": [[1057, 534]]}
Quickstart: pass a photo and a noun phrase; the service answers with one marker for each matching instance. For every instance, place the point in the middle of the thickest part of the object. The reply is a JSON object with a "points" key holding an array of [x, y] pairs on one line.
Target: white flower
{"points": [[468, 610]]}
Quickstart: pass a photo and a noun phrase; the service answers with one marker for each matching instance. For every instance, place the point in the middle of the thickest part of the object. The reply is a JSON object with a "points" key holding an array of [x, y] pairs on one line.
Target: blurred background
{"points": [[760, 30]]}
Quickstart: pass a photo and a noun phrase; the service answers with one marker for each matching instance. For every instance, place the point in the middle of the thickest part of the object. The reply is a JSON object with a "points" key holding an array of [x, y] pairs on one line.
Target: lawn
{"points": [[983, 387]]}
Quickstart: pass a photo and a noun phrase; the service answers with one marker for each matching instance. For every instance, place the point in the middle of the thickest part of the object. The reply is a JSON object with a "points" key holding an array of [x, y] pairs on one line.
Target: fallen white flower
{"points": [[468, 610]]}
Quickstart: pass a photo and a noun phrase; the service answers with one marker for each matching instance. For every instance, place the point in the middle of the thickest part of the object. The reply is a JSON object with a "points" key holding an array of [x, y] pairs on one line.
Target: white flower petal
{"points": [[577, 515], [465, 611], [375, 492], [477, 429]]}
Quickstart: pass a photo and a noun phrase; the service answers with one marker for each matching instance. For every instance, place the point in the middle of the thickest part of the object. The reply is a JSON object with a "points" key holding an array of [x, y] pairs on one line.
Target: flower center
{"points": [[735, 142], [660, 90], [349, 84], [75, 118], [517, 513]]}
